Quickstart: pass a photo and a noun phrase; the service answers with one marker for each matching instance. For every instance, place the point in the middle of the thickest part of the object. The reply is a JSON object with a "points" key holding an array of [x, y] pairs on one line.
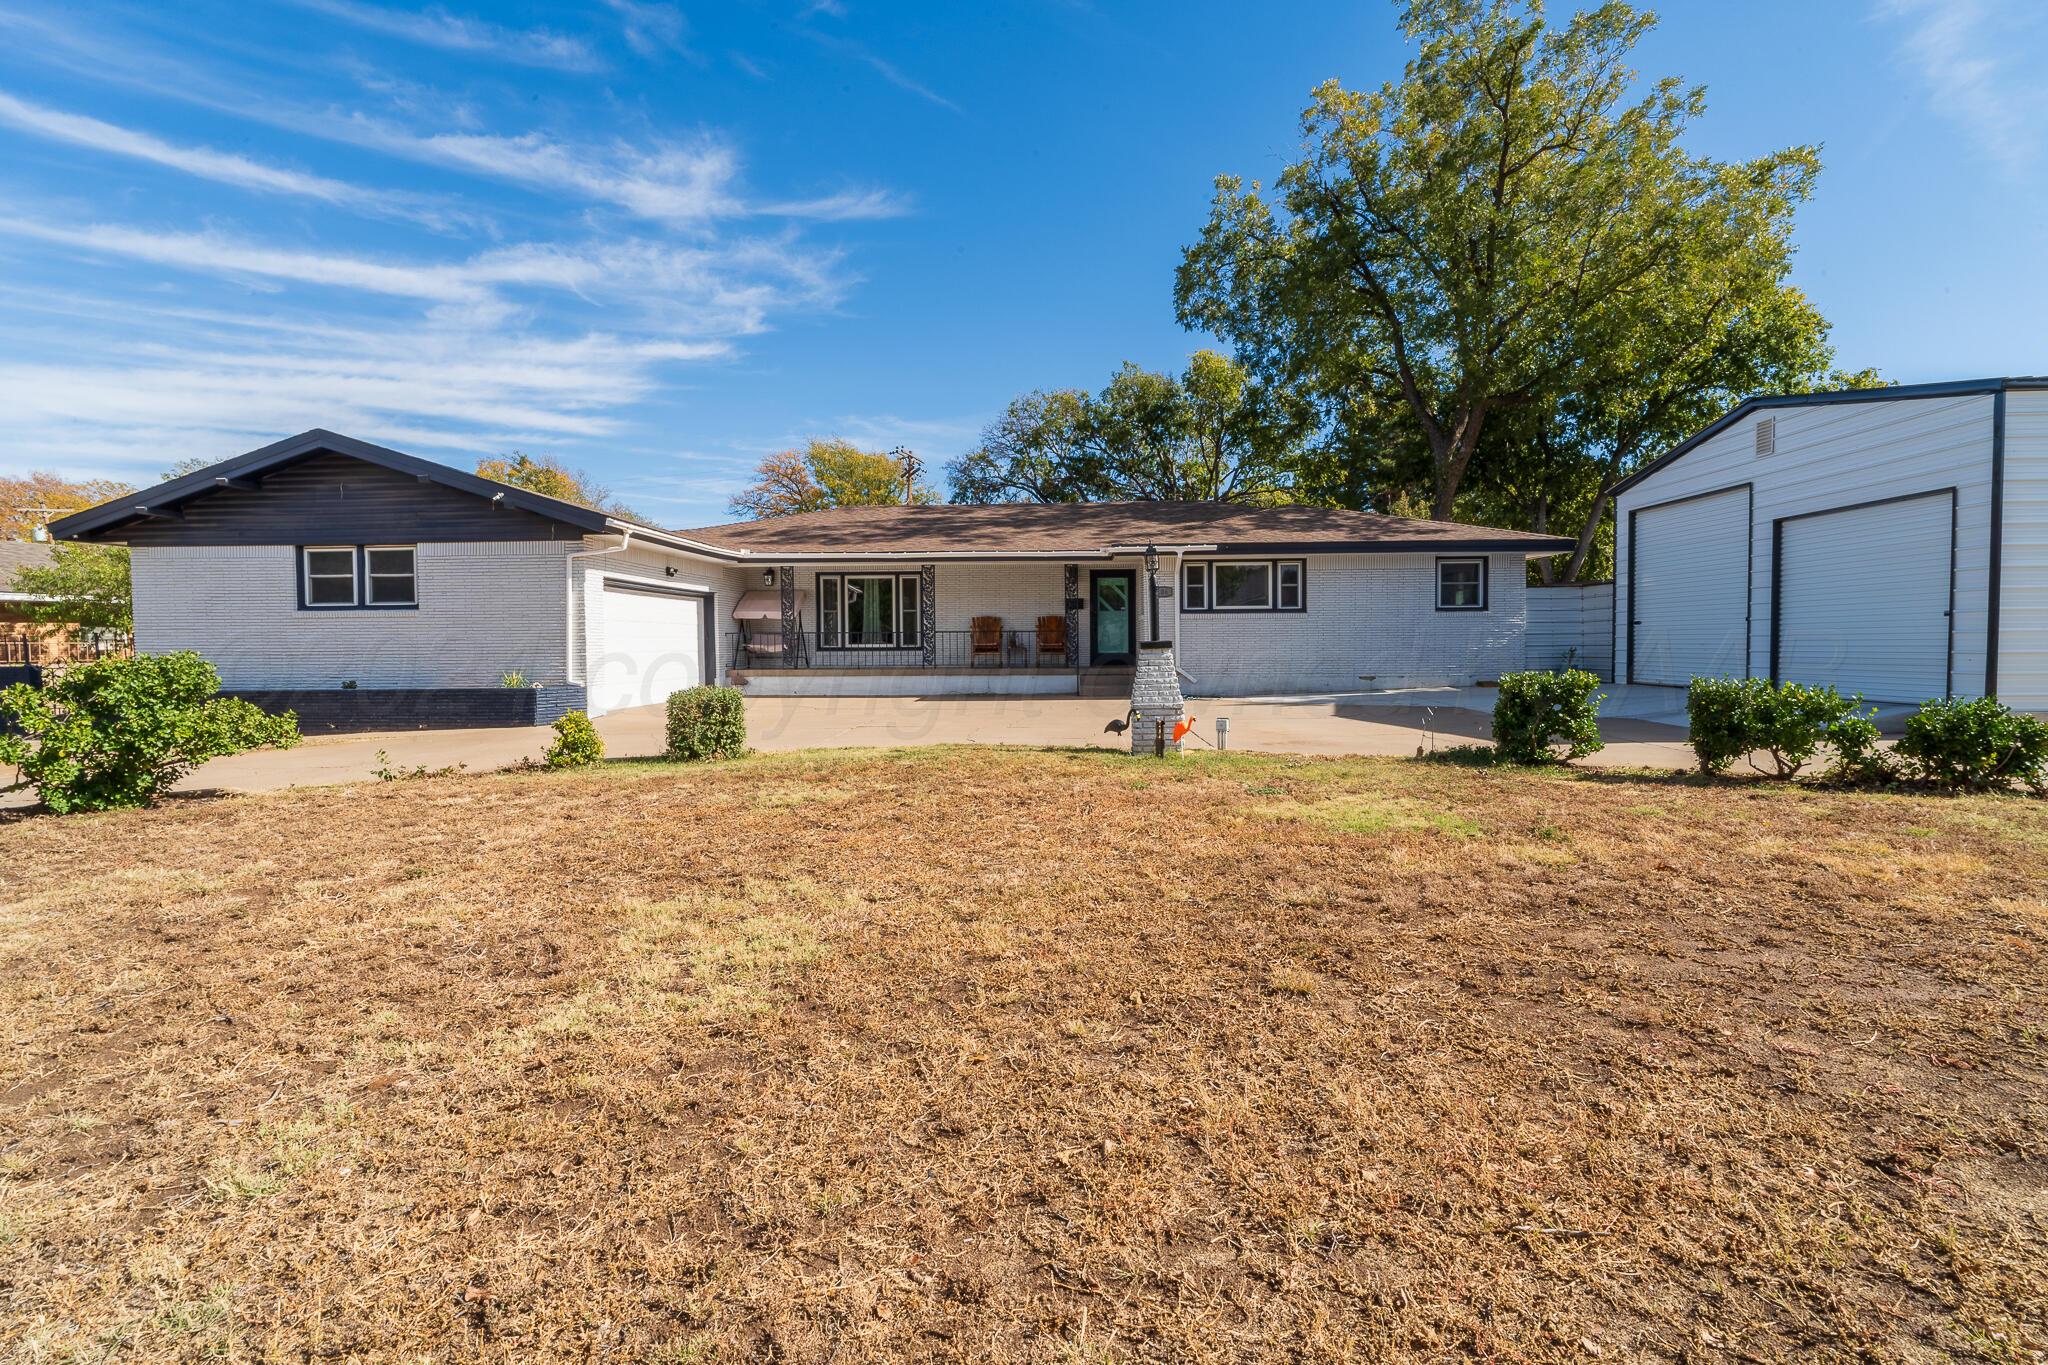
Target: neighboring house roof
{"points": [[991, 531], [1955, 389], [1095, 527], [16, 555]]}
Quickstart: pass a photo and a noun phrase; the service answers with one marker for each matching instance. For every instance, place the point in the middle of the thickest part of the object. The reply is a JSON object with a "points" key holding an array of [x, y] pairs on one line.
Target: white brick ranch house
{"points": [[324, 565]]}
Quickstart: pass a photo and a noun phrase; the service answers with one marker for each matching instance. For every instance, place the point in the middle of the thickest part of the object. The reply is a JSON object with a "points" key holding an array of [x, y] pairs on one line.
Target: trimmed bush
{"points": [[1717, 716], [1547, 717], [706, 722], [1730, 717], [576, 742], [120, 731], [1977, 745]]}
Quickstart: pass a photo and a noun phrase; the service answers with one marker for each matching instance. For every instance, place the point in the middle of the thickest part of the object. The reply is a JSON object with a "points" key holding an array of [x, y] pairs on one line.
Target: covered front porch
{"points": [[1034, 627]]}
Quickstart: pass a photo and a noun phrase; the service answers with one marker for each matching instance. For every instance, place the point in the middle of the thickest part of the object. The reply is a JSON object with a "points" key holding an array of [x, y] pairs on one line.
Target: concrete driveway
{"points": [[1644, 727]]}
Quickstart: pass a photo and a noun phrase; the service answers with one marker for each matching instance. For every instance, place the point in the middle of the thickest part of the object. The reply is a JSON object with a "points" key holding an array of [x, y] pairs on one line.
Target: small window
{"points": [[391, 574], [1287, 593], [1244, 587], [330, 574], [1461, 585], [1194, 591]]}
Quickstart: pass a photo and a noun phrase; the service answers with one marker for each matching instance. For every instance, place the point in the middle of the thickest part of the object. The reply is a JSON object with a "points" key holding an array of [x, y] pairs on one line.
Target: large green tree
{"points": [[1210, 433], [1512, 218], [86, 585]]}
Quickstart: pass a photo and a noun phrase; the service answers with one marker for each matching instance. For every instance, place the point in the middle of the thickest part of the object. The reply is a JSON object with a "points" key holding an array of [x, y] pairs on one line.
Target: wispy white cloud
{"points": [[883, 67], [438, 28], [1976, 71], [651, 29], [224, 168]]}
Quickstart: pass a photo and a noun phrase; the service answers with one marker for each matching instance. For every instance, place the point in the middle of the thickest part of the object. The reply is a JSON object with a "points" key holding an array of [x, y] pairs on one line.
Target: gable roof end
{"points": [[1960, 388], [114, 512]]}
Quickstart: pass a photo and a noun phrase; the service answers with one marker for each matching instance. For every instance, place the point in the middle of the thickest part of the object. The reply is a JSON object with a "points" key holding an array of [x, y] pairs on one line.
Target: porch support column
{"points": [[928, 612], [785, 578], [1073, 607]]}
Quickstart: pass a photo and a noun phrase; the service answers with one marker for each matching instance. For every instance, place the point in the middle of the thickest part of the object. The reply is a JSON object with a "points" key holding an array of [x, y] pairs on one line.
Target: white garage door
{"points": [[1690, 590], [1864, 604], [651, 643]]}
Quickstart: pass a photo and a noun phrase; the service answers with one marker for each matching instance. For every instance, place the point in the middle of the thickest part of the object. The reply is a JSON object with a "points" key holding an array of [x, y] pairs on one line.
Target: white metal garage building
{"points": [[1892, 542]]}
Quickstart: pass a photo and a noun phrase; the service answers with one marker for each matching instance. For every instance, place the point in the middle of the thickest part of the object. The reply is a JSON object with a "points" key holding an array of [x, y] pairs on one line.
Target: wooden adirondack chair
{"points": [[1052, 638], [987, 639]]}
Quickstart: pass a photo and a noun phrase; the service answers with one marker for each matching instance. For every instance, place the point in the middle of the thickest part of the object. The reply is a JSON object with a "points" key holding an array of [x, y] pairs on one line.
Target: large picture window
{"points": [[1244, 587], [867, 611]]}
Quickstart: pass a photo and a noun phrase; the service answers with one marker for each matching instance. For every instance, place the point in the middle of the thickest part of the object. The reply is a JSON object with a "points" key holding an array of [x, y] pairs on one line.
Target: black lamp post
{"points": [[1152, 592]]}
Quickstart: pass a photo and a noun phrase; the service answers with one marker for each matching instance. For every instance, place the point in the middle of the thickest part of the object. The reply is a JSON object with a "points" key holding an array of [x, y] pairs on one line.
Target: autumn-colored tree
{"points": [[551, 478], [40, 497], [828, 473]]}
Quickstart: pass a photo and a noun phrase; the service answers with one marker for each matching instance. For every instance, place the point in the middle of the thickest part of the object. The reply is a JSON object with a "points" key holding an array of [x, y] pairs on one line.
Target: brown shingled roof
{"points": [[16, 555], [1089, 528]]}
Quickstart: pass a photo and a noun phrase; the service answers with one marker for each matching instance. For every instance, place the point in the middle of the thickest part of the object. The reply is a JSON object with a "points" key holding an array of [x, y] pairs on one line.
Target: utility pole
{"points": [[912, 467], [42, 515]]}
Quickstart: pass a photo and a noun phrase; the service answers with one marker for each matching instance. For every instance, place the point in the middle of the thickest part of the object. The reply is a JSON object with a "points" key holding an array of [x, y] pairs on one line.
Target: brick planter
{"points": [[355, 710]]}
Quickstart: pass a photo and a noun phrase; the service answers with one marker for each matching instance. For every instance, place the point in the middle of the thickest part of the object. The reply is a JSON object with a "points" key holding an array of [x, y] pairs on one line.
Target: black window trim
{"points": [[838, 579], [1208, 565], [360, 585], [1485, 586]]}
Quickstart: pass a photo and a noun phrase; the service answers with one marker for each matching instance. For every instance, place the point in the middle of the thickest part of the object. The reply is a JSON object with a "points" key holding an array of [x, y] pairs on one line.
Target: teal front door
{"points": [[1110, 592]]}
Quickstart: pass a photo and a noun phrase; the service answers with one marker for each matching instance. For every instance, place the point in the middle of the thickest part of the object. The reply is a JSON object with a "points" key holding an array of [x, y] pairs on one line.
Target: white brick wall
{"points": [[725, 584], [1367, 614], [485, 608]]}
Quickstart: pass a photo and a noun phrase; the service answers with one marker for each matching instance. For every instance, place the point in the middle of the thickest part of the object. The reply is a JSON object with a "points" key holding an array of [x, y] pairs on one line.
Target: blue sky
{"points": [[660, 240]]}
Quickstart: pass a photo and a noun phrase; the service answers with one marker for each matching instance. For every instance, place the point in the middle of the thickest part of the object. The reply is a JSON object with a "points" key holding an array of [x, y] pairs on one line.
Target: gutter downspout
{"points": [[569, 600]]}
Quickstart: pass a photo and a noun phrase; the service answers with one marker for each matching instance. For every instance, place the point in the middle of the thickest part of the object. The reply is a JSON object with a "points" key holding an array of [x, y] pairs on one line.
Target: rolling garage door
{"points": [[1689, 589], [652, 644], [1863, 598]]}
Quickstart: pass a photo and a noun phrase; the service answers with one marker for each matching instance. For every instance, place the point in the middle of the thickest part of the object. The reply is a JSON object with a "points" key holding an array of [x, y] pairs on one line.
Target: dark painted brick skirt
{"points": [[348, 710]]}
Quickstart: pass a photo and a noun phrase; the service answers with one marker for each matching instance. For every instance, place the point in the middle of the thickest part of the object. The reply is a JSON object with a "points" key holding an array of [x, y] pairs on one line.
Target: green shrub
{"points": [[1858, 759], [1547, 717], [120, 731], [576, 742], [706, 722], [1978, 745], [1717, 715], [1730, 717]]}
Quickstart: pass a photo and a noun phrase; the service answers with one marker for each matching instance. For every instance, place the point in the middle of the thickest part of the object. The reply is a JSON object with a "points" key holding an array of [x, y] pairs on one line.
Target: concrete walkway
{"points": [[1644, 727]]}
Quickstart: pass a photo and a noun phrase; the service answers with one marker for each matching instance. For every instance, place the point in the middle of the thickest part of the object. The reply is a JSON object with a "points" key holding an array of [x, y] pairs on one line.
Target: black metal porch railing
{"points": [[950, 649]]}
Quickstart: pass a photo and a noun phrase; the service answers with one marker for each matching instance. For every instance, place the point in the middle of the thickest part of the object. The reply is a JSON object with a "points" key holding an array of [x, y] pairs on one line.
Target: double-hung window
{"points": [[867, 611], [332, 577], [1461, 585], [329, 575], [1194, 591], [391, 573]]}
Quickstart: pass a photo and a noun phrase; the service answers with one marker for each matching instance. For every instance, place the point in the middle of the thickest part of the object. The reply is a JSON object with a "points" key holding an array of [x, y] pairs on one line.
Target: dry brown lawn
{"points": [[1007, 1055]]}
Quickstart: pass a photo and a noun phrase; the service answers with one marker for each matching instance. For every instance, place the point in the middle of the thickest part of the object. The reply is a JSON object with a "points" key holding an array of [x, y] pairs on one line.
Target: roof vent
{"points": [[1767, 436]]}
